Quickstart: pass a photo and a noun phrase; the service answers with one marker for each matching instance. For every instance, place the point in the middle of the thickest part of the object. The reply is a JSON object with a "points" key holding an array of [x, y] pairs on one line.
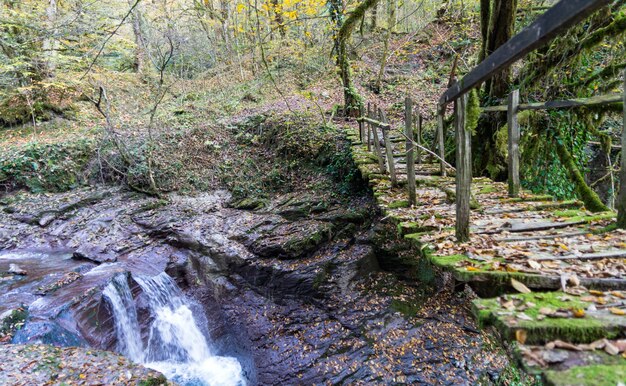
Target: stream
{"points": [[211, 295], [176, 346]]}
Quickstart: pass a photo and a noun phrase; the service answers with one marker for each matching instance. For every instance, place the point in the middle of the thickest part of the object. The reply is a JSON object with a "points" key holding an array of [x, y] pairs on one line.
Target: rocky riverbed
{"points": [[291, 287]]}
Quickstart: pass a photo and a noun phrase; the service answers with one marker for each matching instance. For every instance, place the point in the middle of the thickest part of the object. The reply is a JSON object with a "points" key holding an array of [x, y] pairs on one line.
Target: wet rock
{"points": [[95, 253], [291, 241], [250, 203], [15, 269], [47, 332]]}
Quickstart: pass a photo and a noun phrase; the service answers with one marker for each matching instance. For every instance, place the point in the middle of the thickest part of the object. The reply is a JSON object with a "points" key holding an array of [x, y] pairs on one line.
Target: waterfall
{"points": [[175, 346]]}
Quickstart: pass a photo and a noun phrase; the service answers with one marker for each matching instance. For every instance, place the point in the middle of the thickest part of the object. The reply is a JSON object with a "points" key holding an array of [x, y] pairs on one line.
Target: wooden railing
{"points": [[513, 107], [554, 21], [548, 26]]}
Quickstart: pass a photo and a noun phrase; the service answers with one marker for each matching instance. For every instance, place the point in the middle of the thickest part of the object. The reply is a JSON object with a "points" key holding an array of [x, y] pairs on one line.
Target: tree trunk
{"points": [[141, 58], [352, 100], [50, 44], [278, 18], [374, 18], [501, 27], [500, 15], [391, 25]]}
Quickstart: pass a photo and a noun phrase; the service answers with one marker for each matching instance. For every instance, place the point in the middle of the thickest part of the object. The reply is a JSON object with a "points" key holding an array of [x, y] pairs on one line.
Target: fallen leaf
{"points": [[566, 346], [578, 312], [547, 311], [521, 336], [520, 287], [597, 293], [610, 348], [617, 311]]}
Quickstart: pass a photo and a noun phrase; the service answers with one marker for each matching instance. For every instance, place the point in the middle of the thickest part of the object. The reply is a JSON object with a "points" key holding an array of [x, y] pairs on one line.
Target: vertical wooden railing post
{"points": [[418, 126], [379, 153], [388, 149], [440, 116], [369, 128], [463, 171], [514, 137], [361, 124], [410, 160], [621, 201]]}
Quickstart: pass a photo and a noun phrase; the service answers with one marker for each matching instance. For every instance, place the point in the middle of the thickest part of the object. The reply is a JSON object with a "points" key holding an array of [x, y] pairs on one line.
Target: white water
{"points": [[176, 346]]}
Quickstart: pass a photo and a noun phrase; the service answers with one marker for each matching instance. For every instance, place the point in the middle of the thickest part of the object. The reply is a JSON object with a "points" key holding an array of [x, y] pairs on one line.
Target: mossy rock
{"points": [[250, 203], [591, 375], [575, 330], [398, 204]]}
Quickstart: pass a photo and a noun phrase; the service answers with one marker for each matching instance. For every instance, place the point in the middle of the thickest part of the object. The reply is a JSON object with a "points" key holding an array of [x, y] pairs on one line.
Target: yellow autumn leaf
{"points": [[520, 336], [520, 287], [617, 311], [578, 312]]}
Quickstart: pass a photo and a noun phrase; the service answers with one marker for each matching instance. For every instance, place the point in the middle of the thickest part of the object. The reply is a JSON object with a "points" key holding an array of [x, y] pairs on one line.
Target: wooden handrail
{"points": [[562, 104], [561, 16], [374, 122]]}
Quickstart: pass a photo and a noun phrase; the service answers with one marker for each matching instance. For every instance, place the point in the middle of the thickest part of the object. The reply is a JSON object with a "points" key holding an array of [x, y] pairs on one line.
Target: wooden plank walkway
{"points": [[544, 244]]}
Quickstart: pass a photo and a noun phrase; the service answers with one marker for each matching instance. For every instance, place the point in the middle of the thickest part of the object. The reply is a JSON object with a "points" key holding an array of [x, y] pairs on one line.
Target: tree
{"points": [[141, 50], [344, 27], [497, 27]]}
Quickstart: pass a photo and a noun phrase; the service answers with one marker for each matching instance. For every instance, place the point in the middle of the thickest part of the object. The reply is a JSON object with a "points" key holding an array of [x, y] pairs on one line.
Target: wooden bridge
{"points": [[500, 238]]}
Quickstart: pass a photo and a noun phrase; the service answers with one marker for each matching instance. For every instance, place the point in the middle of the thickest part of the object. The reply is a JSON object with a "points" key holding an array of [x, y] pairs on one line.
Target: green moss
{"points": [[587, 195], [575, 330], [13, 322], [472, 111], [596, 217], [447, 261], [160, 380], [560, 205], [487, 189], [532, 198], [398, 204], [569, 213], [591, 375], [46, 167]]}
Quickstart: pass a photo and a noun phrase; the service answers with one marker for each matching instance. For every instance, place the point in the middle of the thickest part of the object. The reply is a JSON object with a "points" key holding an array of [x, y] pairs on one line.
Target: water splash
{"points": [[175, 346], [126, 323]]}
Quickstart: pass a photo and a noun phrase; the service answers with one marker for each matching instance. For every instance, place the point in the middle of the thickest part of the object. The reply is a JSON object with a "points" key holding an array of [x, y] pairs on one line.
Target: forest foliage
{"points": [[149, 76]]}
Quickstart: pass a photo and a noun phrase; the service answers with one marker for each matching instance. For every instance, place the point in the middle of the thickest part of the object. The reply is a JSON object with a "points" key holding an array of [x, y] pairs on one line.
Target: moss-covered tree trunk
{"points": [[586, 194], [497, 27], [621, 201], [352, 100]]}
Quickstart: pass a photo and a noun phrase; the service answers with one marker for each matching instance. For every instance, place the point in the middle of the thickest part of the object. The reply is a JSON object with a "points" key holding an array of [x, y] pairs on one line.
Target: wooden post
{"points": [[418, 151], [361, 124], [369, 128], [388, 149], [621, 201], [442, 151], [463, 171], [379, 153], [410, 161], [514, 137]]}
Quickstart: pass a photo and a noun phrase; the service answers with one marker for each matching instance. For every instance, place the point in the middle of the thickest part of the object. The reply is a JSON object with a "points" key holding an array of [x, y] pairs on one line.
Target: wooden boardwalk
{"points": [[520, 251]]}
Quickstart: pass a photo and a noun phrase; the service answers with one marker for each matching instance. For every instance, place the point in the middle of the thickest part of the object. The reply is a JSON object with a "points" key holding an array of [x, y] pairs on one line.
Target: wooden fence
{"points": [[558, 18]]}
